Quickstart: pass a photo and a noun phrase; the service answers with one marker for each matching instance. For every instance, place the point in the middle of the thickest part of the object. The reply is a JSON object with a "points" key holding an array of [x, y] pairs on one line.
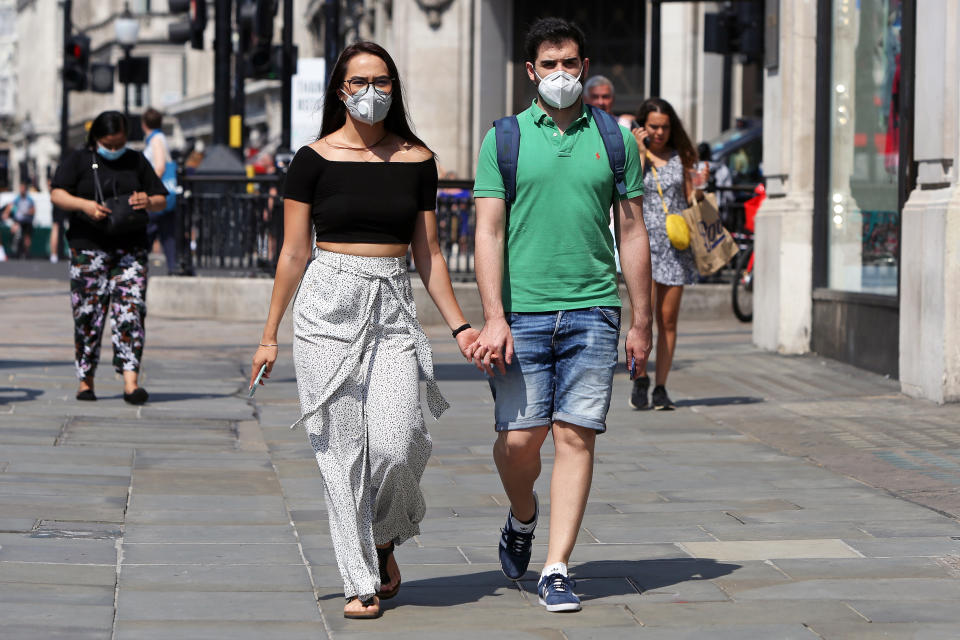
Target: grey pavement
{"points": [[784, 498]]}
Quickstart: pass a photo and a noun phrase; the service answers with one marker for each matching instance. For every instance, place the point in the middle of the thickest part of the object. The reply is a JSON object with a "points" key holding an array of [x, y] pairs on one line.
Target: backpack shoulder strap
{"points": [[507, 132], [613, 142]]}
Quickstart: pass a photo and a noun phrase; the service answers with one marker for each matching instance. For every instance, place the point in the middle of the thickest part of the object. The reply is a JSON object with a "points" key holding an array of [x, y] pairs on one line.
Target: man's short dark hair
{"points": [[152, 118], [554, 31]]}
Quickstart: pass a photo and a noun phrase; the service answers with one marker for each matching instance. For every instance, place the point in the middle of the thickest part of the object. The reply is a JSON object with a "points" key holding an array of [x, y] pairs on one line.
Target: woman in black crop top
{"points": [[367, 190]]}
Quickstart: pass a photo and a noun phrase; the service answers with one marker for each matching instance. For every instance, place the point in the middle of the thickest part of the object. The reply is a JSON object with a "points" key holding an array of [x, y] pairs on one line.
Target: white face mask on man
{"points": [[559, 89]]}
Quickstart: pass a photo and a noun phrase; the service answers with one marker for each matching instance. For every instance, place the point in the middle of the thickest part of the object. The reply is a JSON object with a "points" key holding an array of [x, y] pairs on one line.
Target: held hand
{"points": [[640, 135], [139, 200], [466, 340], [494, 347], [638, 346], [263, 356], [95, 211]]}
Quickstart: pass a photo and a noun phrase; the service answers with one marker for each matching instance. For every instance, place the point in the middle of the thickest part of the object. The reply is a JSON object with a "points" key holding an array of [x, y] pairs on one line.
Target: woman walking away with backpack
{"points": [[108, 190], [668, 157], [368, 188]]}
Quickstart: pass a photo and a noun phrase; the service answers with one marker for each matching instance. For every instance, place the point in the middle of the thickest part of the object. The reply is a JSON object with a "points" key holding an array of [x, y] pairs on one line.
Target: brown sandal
{"points": [[363, 615], [384, 555]]}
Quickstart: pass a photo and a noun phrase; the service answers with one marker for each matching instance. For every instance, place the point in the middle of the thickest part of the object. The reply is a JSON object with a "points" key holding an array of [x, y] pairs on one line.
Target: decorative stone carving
{"points": [[434, 10]]}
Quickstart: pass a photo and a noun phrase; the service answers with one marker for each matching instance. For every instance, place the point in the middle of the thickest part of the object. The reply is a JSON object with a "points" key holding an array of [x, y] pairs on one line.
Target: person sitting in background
{"points": [[22, 210]]}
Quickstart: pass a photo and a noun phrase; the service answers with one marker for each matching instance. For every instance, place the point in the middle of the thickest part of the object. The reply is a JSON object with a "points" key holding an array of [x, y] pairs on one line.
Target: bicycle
{"points": [[742, 293], [743, 279]]}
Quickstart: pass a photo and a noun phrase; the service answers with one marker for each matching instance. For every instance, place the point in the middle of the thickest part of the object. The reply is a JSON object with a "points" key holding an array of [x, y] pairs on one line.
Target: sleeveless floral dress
{"points": [[670, 266]]}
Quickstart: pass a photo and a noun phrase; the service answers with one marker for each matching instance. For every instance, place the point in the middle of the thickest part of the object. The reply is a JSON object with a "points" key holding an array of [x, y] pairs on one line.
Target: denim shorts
{"points": [[562, 369]]}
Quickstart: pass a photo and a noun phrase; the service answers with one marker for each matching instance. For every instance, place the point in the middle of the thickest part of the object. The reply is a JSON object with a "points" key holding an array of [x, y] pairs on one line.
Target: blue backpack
{"points": [[507, 131], [169, 177]]}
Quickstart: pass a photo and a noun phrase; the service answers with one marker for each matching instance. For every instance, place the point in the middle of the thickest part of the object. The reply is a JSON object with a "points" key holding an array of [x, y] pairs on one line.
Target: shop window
{"points": [[864, 209]]}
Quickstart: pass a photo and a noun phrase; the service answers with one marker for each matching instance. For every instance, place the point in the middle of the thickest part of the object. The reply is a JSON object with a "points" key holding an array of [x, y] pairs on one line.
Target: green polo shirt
{"points": [[558, 246]]}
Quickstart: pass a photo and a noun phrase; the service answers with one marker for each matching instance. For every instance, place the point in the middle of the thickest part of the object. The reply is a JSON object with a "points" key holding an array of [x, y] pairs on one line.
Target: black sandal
{"points": [[363, 615], [384, 555]]}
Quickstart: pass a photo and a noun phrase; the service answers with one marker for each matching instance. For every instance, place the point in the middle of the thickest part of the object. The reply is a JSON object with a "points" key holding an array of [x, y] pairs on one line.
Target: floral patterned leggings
{"points": [[100, 279]]}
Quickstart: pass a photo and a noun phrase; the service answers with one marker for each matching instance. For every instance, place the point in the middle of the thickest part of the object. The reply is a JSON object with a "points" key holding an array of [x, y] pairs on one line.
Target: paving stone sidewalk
{"points": [[784, 498]]}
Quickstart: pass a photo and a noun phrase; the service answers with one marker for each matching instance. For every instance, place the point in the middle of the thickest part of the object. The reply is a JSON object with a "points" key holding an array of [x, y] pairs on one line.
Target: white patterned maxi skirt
{"points": [[357, 350]]}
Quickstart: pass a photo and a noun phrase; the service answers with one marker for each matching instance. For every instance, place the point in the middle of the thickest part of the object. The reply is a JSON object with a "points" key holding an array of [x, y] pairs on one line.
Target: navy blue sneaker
{"points": [[516, 547], [556, 593]]}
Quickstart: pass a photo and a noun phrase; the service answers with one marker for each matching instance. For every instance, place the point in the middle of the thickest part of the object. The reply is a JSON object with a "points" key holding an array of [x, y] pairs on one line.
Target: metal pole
{"points": [[655, 48], [331, 34], [221, 72], [126, 83], [286, 122], [65, 98], [726, 109], [239, 95]]}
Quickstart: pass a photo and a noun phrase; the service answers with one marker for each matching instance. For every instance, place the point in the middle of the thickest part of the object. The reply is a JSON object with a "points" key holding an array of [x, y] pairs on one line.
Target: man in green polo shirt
{"points": [[548, 282]]}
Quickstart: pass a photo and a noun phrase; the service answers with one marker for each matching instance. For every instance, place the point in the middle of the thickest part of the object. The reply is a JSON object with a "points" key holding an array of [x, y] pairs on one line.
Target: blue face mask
{"points": [[110, 154]]}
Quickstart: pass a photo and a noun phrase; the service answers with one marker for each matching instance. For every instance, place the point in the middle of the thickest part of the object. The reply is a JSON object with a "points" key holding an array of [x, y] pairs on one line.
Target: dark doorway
{"points": [[615, 33]]}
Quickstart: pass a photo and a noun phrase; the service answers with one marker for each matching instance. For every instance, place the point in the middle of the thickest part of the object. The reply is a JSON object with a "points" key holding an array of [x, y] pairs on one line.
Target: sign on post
{"points": [[306, 103]]}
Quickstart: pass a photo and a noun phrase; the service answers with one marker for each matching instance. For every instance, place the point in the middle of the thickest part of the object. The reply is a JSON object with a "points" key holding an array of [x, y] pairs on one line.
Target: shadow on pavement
{"points": [[457, 372], [597, 579], [8, 395], [159, 396], [23, 364], [718, 402]]}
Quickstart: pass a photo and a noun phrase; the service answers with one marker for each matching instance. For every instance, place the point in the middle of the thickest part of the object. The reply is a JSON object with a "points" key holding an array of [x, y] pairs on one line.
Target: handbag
{"points": [[712, 244], [123, 218], [677, 230]]}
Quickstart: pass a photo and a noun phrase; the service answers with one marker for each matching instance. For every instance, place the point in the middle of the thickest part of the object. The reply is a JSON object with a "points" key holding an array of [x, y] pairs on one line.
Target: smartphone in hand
{"points": [[256, 382]]}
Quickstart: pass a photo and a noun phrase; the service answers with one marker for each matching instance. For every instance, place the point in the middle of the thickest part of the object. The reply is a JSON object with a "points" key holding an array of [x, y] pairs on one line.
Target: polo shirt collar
{"points": [[540, 117]]}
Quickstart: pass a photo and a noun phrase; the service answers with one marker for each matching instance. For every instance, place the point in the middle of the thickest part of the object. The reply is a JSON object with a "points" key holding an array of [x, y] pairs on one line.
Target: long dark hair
{"points": [[107, 124], [334, 111], [679, 139]]}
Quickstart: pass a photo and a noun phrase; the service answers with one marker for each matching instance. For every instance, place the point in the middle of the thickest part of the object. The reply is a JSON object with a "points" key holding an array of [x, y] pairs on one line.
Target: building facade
{"points": [[461, 61], [858, 242]]}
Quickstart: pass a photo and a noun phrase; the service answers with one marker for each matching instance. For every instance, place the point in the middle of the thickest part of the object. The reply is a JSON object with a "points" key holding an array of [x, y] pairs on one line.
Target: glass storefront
{"points": [[864, 207]]}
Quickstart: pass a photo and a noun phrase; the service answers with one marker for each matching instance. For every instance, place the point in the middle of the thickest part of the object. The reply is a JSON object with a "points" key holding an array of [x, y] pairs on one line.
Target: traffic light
{"points": [[737, 29], [190, 29], [76, 63], [256, 38], [101, 77]]}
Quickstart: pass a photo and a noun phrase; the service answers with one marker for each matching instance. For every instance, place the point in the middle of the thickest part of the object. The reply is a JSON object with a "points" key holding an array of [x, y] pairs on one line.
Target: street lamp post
{"points": [[29, 133], [126, 28]]}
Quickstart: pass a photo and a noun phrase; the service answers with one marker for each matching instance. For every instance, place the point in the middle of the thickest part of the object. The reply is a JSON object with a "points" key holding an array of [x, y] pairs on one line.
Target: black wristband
{"points": [[461, 328]]}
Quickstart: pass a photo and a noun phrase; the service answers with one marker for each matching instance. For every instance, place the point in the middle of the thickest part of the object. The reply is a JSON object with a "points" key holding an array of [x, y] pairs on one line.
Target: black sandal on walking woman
{"points": [[384, 555], [371, 609]]}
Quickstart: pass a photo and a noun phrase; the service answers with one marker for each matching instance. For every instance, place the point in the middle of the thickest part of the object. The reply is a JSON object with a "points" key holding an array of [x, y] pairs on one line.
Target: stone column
{"points": [[930, 237], [431, 43], [784, 228]]}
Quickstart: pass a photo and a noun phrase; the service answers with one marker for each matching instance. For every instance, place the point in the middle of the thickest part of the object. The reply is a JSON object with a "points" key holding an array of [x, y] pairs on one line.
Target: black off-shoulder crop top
{"points": [[371, 202]]}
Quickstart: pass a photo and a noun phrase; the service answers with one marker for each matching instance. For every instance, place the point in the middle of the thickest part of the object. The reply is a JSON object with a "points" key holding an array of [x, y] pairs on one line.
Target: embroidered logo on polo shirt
{"points": [[598, 155]]}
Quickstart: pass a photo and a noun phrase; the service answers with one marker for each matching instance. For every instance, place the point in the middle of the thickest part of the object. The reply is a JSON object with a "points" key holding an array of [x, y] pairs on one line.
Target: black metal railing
{"points": [[230, 225], [233, 225]]}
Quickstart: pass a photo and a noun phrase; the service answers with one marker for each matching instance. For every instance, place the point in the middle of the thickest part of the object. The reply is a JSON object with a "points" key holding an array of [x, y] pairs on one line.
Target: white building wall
{"points": [[930, 236], [783, 286], [38, 63]]}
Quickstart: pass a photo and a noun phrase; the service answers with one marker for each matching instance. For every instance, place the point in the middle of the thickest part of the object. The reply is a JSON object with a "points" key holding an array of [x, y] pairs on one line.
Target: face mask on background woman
{"points": [[110, 154]]}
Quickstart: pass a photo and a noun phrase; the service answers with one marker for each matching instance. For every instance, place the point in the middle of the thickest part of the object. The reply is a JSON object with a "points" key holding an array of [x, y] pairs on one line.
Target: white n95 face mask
{"points": [[559, 89], [369, 105]]}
